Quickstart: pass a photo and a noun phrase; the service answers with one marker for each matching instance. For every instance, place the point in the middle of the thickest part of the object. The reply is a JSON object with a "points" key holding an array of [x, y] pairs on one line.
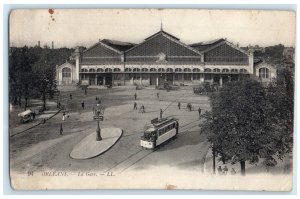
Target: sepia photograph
{"points": [[172, 99]]}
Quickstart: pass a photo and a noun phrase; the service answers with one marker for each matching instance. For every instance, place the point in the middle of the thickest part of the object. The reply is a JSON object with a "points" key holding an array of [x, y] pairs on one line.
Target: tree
{"points": [[239, 125], [280, 96], [20, 65], [44, 77]]}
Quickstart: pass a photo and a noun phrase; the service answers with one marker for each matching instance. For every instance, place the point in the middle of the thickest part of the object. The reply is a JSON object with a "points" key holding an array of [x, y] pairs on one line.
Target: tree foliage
{"points": [[32, 72], [245, 123]]}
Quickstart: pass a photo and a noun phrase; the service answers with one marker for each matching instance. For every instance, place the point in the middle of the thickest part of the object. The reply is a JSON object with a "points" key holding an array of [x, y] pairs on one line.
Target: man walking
{"points": [[225, 170], [160, 113], [157, 94], [199, 111], [179, 105], [220, 170], [82, 104], [64, 115], [135, 96], [134, 106], [70, 96], [143, 108]]}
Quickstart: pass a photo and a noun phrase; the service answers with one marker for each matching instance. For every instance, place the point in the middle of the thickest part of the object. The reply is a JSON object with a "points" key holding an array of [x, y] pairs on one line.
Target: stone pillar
{"points": [[96, 77], [77, 60], [251, 62], [104, 81], [157, 80], [141, 79], [173, 75], [202, 78], [192, 78], [221, 81]]}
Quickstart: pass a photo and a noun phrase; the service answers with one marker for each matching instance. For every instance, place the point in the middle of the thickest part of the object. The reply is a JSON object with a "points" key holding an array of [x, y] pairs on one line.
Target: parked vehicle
{"points": [[26, 116]]}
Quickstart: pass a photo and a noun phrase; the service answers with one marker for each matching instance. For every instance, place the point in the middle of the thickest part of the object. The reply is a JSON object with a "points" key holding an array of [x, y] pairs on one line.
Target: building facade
{"points": [[160, 58]]}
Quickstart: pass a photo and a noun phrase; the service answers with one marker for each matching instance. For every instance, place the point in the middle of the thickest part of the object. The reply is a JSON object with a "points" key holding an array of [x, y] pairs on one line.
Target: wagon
{"points": [[26, 116]]}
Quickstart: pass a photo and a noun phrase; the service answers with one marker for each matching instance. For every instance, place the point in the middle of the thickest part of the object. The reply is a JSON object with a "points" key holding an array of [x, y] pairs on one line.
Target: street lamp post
{"points": [[98, 130]]}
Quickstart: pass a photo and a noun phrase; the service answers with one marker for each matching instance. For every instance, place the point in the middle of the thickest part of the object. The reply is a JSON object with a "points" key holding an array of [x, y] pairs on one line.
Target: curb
{"points": [[36, 124]]}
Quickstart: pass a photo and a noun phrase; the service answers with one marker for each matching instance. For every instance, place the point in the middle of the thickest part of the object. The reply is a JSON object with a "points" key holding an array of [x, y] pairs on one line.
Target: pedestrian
{"points": [[190, 106], [82, 104], [61, 130], [134, 106], [199, 111], [70, 96], [179, 105], [64, 116], [85, 91], [225, 170], [96, 98], [143, 109], [33, 115], [219, 170], [160, 113], [135, 96], [233, 172], [58, 104], [157, 94]]}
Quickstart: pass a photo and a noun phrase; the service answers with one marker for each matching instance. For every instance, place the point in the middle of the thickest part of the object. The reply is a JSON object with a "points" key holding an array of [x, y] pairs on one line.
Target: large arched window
{"points": [[144, 69], [178, 70], [234, 70], [264, 73], [187, 70], [107, 70], [196, 70], [117, 70], [161, 70], [225, 70], [136, 70], [128, 70], [152, 69], [100, 70], [216, 70], [243, 70], [207, 70], [91, 70], [169, 70], [84, 70], [66, 73]]}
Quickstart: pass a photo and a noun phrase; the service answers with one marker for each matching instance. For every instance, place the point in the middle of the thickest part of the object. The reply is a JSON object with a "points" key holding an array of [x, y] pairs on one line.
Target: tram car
{"points": [[159, 131]]}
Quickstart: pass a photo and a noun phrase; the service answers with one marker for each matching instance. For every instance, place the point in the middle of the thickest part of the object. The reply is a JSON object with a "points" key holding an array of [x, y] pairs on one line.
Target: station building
{"points": [[160, 58]]}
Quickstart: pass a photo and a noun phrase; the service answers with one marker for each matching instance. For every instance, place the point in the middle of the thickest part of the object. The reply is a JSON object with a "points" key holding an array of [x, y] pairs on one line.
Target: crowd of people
{"points": [[142, 108], [224, 170]]}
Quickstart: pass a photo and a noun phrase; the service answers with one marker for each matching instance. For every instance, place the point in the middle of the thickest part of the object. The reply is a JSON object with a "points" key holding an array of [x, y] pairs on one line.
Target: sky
{"points": [[84, 27]]}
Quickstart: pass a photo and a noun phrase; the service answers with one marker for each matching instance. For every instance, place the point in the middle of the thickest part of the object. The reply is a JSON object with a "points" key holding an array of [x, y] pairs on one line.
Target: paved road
{"points": [[43, 148]]}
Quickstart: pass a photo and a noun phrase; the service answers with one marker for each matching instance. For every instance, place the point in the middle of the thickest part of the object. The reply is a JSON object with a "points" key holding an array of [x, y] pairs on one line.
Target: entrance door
{"points": [[152, 79], [100, 80], [217, 79], [108, 79]]}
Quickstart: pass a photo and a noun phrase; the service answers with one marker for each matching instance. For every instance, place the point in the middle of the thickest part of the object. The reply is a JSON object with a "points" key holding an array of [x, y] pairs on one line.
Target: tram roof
{"points": [[159, 123]]}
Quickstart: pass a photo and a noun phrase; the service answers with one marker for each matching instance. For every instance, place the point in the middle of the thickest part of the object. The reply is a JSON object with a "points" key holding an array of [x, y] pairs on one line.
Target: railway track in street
{"points": [[143, 153]]}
